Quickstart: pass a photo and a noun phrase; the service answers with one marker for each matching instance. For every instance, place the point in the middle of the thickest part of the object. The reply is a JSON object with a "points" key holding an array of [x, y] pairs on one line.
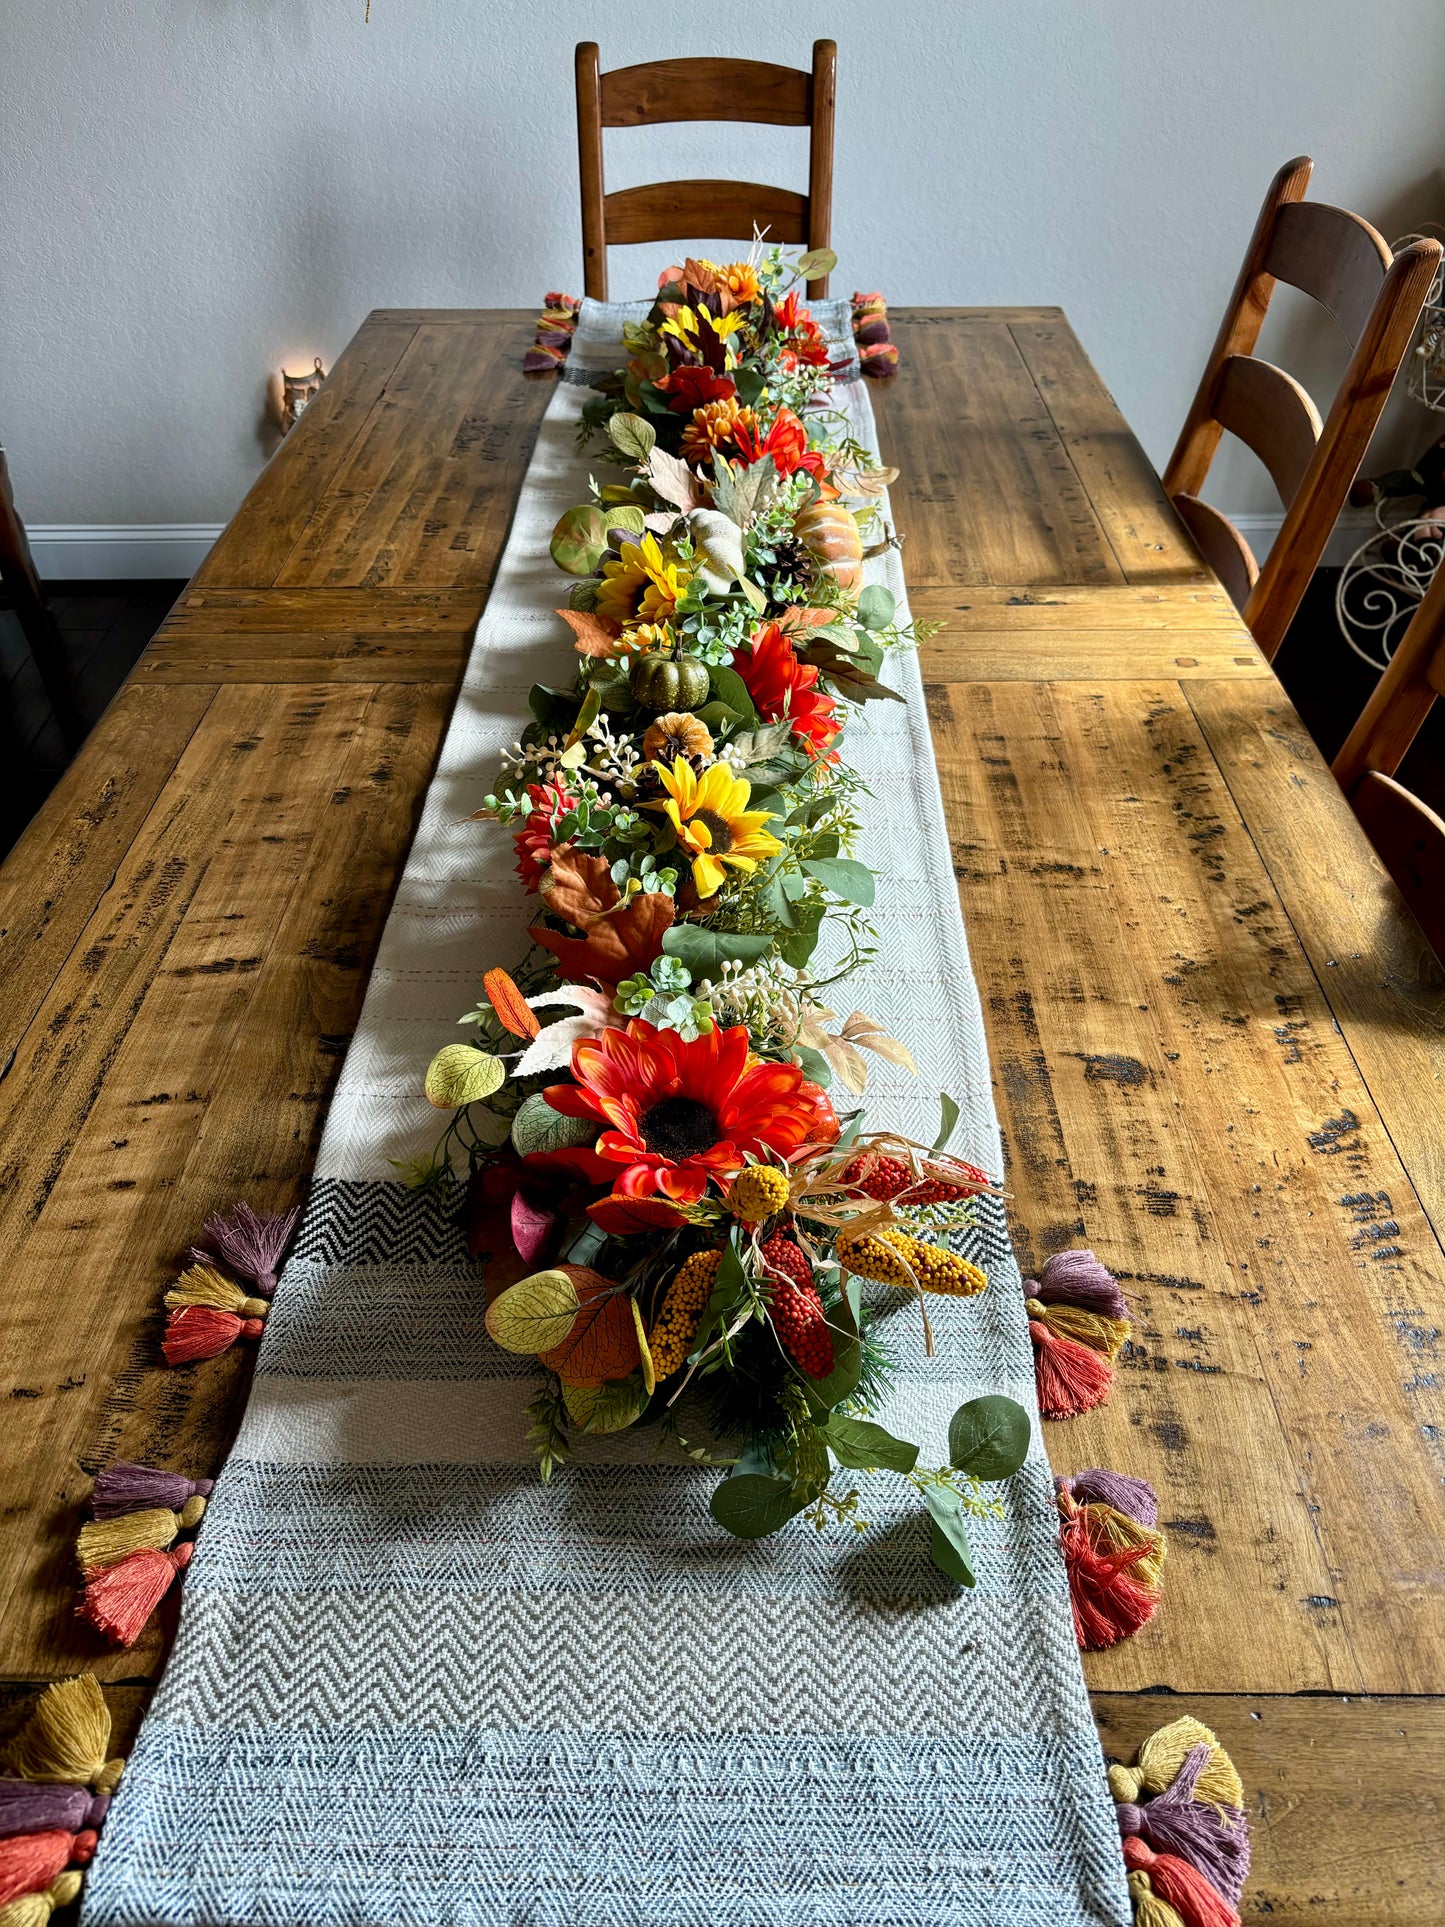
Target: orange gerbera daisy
{"points": [[781, 686], [714, 426], [681, 1113]]}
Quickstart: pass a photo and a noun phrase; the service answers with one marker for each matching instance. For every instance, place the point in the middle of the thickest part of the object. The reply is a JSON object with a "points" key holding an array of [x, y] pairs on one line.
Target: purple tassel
{"points": [[1135, 1497], [25, 1808], [125, 1488], [249, 1244], [1214, 1840], [1077, 1278]]}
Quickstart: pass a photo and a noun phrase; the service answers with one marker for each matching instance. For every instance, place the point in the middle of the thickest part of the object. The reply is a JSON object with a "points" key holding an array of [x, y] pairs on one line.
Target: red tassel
{"points": [[119, 1599], [1196, 1902], [195, 1331], [1109, 1601], [1071, 1378], [30, 1861]]}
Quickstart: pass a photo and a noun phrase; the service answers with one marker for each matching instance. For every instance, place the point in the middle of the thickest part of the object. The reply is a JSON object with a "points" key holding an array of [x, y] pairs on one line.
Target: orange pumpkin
{"points": [[830, 532]]}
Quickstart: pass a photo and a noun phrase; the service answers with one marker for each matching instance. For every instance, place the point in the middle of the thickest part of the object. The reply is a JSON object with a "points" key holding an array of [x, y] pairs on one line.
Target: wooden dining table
{"points": [[1217, 1037]]}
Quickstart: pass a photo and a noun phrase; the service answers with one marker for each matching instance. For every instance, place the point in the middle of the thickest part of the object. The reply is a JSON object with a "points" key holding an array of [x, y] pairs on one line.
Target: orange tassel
{"points": [[118, 1600], [1197, 1903], [195, 1331], [30, 1861], [1071, 1377], [1110, 1598]]}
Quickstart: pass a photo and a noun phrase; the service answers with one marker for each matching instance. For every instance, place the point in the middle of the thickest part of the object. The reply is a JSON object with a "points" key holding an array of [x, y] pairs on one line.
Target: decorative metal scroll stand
{"points": [[1385, 579]]}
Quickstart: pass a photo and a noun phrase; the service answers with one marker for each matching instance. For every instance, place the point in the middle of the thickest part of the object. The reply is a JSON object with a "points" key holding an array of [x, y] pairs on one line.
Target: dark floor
{"points": [[106, 625]]}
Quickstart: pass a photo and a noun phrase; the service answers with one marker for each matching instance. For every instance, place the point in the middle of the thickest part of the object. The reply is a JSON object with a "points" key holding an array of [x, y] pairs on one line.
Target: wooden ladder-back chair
{"points": [[680, 90], [23, 593], [1407, 834], [1376, 298]]}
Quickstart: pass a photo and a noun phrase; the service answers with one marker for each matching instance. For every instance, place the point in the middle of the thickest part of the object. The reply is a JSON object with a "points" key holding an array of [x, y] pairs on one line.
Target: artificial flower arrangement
{"points": [[667, 1186]]}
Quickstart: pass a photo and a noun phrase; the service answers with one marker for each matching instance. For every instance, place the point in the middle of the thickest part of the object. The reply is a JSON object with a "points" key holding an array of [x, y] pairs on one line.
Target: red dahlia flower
{"points": [[781, 686], [689, 388], [682, 1113], [533, 842]]}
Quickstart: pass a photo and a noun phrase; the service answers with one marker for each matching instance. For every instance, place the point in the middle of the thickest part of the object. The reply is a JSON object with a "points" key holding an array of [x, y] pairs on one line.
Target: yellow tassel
{"points": [[895, 1257], [202, 1286], [105, 1542], [66, 1740], [1149, 1909], [1162, 1755], [1120, 1533], [34, 1910], [1091, 1328], [670, 1339]]}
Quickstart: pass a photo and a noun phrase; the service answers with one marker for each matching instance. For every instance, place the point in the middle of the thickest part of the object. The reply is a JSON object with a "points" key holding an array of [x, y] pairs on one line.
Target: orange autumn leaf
{"points": [[618, 942], [621, 1217], [509, 1004], [596, 635], [799, 616], [602, 1344]]}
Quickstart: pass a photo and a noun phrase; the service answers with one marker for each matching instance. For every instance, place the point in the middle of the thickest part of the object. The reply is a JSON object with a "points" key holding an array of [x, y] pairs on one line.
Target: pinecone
{"points": [[794, 564], [798, 1315]]}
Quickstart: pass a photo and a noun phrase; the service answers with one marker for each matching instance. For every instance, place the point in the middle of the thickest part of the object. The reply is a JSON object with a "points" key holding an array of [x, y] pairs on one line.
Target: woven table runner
{"points": [[413, 1685]]}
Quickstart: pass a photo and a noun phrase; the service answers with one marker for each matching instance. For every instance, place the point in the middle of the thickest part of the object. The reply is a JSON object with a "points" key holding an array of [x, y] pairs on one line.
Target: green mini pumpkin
{"points": [[669, 682]]}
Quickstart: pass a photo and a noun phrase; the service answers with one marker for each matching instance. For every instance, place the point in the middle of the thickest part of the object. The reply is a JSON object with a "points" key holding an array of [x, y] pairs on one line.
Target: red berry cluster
{"points": [[798, 1315], [882, 1178]]}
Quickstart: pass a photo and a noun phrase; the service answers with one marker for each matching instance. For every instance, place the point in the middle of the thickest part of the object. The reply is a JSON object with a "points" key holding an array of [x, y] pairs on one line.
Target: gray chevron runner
{"points": [[411, 1685]]}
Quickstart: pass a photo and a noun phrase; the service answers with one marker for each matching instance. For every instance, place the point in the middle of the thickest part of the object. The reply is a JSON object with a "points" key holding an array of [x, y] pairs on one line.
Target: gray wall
{"points": [[194, 189]]}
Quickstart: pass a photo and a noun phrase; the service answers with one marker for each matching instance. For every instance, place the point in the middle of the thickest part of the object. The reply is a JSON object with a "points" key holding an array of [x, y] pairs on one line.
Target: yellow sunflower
{"points": [[687, 323], [640, 582], [713, 822]]}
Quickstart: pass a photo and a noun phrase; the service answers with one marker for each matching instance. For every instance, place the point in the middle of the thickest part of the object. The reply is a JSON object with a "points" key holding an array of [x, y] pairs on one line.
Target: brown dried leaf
{"points": [[602, 1343], [596, 635]]}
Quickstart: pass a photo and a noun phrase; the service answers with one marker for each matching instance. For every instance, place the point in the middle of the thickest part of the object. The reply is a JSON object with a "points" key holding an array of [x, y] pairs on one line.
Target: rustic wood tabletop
{"points": [[1216, 1034]]}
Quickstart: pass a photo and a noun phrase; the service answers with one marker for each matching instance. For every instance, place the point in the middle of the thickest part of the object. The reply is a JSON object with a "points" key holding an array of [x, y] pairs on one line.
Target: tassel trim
{"points": [[1113, 1555], [1186, 1851], [556, 325], [48, 1811], [1078, 1324], [877, 352]]}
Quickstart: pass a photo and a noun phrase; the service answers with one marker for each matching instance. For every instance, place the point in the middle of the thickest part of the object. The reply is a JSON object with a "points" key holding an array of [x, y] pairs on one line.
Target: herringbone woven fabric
{"points": [[413, 1686]]}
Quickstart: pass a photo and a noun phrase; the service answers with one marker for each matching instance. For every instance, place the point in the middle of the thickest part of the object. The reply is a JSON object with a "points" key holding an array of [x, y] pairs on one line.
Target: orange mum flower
{"points": [[714, 426], [681, 1113]]}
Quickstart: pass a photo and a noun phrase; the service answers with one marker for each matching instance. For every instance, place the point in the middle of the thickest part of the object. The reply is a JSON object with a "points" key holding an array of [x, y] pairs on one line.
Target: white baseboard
{"points": [[138, 551], [156, 551]]}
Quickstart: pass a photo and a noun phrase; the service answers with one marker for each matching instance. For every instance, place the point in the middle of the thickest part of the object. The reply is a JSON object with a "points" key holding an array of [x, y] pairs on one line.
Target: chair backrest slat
{"points": [[1333, 255], [665, 209], [1344, 264], [703, 89], [1270, 413], [1221, 545], [667, 90], [1407, 834]]}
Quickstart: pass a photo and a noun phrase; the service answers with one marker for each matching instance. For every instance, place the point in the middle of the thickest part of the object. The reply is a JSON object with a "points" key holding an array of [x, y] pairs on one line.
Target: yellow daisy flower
{"points": [[640, 582], [713, 822]]}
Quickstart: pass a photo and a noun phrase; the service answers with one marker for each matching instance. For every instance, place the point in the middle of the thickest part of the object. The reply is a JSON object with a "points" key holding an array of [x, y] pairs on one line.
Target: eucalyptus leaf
{"points": [[861, 1445], [949, 1123], [750, 1506], [989, 1437], [948, 1546], [705, 951], [844, 876], [876, 606], [817, 262], [537, 1127], [535, 1315]]}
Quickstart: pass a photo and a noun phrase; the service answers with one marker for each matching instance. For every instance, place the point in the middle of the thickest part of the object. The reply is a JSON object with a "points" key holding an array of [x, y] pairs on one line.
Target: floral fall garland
{"points": [[668, 1195]]}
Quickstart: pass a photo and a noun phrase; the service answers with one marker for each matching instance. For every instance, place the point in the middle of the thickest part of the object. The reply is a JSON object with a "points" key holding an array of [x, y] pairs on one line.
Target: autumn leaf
{"points": [[602, 1343], [596, 635], [620, 940], [509, 1004], [621, 1217]]}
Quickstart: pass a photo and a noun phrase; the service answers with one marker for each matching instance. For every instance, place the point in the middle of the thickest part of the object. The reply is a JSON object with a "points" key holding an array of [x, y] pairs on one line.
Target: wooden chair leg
{"points": [[27, 599]]}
